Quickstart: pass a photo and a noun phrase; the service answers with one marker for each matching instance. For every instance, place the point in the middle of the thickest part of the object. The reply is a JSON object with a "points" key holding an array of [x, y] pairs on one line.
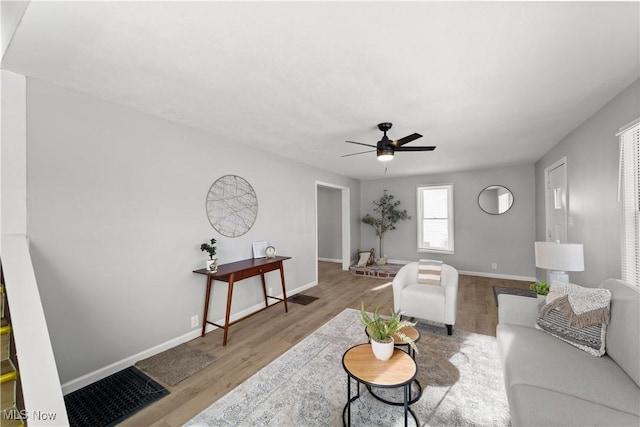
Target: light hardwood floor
{"points": [[255, 342]]}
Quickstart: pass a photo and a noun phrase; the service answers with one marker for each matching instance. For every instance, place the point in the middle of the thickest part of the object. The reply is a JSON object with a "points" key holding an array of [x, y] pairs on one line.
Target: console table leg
{"points": [[264, 290], [284, 289], [228, 313], [206, 306]]}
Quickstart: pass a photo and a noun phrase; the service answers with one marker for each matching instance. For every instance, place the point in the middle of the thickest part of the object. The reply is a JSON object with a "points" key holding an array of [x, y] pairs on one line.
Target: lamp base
{"points": [[558, 276]]}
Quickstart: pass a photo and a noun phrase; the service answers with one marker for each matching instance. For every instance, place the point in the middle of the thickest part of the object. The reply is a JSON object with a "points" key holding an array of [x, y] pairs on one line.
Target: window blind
{"points": [[630, 192]]}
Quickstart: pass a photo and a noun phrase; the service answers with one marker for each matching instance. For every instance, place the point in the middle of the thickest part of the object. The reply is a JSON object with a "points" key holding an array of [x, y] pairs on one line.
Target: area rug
{"points": [[302, 299], [307, 385], [497, 290], [111, 400], [175, 364]]}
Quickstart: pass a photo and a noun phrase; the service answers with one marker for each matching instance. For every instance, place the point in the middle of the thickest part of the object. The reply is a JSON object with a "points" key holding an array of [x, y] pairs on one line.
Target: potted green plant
{"points": [[382, 330], [210, 248], [388, 216], [541, 288]]}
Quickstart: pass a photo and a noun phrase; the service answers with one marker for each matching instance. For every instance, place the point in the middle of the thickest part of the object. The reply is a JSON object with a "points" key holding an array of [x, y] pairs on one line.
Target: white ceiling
{"points": [[489, 83]]}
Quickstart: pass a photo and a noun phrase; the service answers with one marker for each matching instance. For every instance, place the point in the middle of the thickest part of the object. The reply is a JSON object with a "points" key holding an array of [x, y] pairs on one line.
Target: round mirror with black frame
{"points": [[495, 199]]}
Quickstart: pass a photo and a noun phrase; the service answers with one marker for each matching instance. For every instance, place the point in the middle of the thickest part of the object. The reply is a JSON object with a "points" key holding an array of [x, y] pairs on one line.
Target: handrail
{"points": [[41, 391]]}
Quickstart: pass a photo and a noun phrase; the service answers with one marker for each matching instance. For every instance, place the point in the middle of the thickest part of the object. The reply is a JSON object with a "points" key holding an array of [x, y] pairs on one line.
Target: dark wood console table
{"points": [[240, 270]]}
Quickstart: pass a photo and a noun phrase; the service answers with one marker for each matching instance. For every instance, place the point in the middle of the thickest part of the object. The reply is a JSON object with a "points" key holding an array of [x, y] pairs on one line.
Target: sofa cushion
{"points": [[517, 310], [623, 332], [534, 358], [417, 298], [534, 406]]}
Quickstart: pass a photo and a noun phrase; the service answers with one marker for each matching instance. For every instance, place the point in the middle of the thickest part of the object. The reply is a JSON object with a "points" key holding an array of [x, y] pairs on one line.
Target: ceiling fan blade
{"points": [[400, 142], [355, 154], [414, 149], [360, 143]]}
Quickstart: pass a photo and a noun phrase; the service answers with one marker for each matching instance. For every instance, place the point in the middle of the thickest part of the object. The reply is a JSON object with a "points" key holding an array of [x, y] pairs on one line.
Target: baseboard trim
{"points": [[479, 273], [339, 261], [499, 276], [98, 374]]}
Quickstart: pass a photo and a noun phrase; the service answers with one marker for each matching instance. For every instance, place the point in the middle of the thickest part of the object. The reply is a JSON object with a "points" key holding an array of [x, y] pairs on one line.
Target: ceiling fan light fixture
{"points": [[385, 154]]}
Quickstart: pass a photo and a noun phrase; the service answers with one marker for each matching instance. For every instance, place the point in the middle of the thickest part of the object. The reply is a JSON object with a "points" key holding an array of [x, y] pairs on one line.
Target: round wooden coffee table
{"points": [[360, 364], [414, 396]]}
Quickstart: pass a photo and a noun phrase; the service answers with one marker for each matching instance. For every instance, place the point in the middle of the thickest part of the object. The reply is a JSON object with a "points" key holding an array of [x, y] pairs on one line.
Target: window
{"points": [[630, 197], [435, 218]]}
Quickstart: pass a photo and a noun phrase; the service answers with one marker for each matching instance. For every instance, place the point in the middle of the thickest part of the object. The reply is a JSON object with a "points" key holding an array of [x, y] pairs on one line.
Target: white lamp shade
{"points": [[559, 256]]}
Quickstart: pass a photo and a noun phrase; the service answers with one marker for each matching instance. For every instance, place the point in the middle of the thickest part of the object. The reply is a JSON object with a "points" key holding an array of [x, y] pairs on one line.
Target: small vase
{"points": [[212, 265], [382, 350], [381, 261]]}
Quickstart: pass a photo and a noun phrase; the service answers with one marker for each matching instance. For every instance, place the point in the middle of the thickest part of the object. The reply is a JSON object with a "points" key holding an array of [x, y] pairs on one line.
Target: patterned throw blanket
{"points": [[429, 272], [576, 315], [582, 306]]}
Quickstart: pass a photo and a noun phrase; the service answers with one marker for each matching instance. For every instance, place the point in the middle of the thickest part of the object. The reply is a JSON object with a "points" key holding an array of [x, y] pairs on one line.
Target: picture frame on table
{"points": [[259, 249]]}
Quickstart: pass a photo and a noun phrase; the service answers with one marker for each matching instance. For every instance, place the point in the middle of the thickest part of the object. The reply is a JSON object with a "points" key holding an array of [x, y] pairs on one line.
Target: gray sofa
{"points": [[550, 382]]}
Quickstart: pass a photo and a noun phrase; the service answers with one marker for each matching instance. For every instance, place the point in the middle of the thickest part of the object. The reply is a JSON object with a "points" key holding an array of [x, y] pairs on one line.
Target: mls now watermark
{"points": [[14, 414]]}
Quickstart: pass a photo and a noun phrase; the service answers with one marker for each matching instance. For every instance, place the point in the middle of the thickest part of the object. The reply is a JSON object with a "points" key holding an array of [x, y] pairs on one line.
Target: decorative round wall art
{"points": [[232, 206]]}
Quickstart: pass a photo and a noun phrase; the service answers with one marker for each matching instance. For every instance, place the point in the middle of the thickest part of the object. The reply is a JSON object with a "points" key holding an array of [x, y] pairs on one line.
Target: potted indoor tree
{"points": [[210, 248], [382, 330], [387, 216]]}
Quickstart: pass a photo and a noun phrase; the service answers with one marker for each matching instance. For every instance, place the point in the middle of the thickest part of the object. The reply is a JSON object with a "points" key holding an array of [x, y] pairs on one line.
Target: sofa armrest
{"points": [[517, 310]]}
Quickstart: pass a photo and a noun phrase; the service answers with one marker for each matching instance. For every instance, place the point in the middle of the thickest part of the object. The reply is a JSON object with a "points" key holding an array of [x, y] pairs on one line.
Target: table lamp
{"points": [[559, 258]]}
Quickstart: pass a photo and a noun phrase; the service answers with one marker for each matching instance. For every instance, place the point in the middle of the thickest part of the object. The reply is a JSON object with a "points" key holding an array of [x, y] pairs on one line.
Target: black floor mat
{"points": [[112, 399], [302, 299], [497, 290]]}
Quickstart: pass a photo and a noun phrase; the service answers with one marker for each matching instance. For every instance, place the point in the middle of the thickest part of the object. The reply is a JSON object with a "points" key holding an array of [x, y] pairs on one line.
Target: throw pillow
{"points": [[429, 272], [576, 315], [363, 260], [369, 257]]}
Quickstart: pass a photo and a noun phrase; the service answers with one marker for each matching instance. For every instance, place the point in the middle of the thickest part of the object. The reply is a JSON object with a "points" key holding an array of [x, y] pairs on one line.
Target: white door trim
{"points": [[346, 224], [547, 190]]}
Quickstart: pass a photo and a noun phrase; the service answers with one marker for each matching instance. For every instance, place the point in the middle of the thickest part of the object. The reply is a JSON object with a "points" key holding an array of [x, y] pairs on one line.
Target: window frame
{"points": [[629, 143], [450, 218]]}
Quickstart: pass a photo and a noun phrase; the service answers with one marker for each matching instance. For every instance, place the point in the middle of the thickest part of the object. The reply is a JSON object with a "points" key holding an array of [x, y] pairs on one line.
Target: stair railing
{"points": [[41, 391]]}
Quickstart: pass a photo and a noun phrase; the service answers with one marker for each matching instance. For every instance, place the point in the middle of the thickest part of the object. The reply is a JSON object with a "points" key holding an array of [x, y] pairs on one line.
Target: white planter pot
{"points": [[212, 265], [382, 350]]}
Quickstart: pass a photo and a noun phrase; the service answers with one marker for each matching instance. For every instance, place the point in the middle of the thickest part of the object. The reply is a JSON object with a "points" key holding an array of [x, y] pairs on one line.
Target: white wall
{"points": [[480, 238], [116, 209], [13, 155], [329, 223], [592, 152]]}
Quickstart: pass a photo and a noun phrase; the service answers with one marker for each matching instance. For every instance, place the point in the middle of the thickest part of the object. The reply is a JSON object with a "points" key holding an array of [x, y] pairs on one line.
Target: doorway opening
{"points": [[333, 230]]}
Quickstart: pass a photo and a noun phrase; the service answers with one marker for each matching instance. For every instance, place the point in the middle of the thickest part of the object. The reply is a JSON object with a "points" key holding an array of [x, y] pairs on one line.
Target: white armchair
{"points": [[428, 302]]}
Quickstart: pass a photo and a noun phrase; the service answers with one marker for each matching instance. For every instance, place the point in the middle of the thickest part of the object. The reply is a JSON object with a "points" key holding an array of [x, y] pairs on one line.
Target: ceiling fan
{"points": [[386, 147]]}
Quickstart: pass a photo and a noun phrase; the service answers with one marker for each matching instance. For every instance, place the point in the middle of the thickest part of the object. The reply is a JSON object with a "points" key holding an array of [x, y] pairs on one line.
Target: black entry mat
{"points": [[302, 299], [513, 291], [112, 399]]}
